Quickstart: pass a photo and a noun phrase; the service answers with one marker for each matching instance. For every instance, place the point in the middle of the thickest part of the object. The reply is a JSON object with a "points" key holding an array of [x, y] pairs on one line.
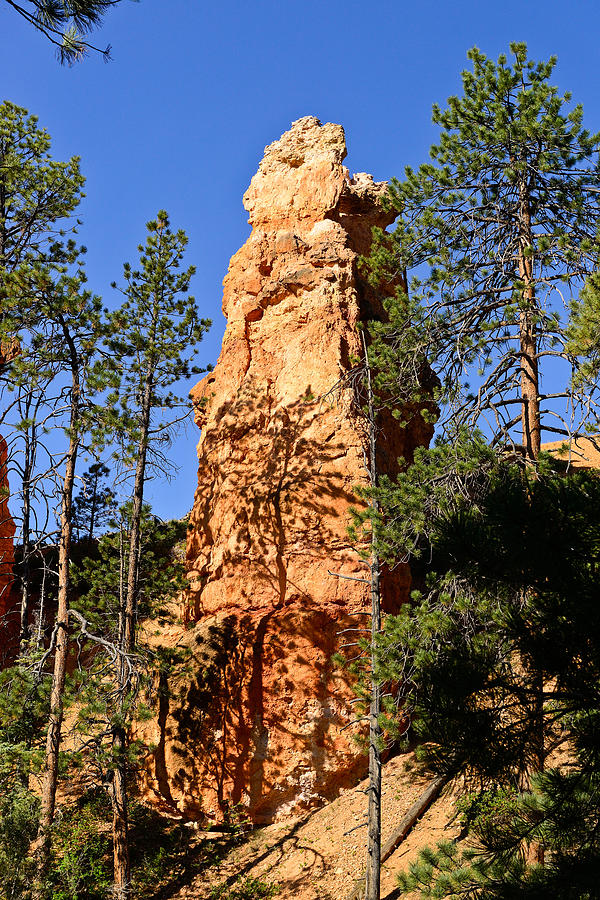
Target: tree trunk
{"points": [[118, 799], [530, 390], [118, 792], [373, 876], [50, 778], [407, 822], [531, 430], [537, 850], [24, 632], [90, 535]]}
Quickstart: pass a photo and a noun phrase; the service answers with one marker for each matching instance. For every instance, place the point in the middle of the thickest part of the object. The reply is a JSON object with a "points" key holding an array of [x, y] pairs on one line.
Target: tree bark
{"points": [[407, 822], [530, 390], [118, 792], [373, 875], [25, 628], [50, 778], [531, 429], [118, 799]]}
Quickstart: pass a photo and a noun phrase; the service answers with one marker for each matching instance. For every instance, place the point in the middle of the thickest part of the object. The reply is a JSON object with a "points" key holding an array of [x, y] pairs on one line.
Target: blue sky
{"points": [[179, 118]]}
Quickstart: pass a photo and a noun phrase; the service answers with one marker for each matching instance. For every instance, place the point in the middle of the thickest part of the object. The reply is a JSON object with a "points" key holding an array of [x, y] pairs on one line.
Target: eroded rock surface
{"points": [[260, 714]]}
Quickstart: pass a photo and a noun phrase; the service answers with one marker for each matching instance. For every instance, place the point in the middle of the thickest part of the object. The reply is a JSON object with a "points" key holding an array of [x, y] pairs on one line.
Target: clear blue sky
{"points": [[179, 118]]}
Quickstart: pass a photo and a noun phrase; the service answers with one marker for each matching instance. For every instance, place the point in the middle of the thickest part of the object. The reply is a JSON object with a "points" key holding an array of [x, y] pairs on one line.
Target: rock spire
{"points": [[260, 715]]}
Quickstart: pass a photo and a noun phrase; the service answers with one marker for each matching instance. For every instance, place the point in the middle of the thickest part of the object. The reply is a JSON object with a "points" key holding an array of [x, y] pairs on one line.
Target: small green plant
{"points": [[245, 889], [18, 826], [81, 861], [237, 822], [488, 809]]}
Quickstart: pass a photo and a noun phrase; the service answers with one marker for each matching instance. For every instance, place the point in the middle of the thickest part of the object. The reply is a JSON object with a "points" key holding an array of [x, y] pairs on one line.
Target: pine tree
{"points": [[500, 230], [100, 580], [38, 196], [100, 576], [505, 592], [154, 335], [497, 234], [37, 193], [95, 503], [58, 326]]}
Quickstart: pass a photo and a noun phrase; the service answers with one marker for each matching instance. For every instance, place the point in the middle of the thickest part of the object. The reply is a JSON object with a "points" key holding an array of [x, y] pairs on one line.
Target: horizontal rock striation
{"points": [[259, 715]]}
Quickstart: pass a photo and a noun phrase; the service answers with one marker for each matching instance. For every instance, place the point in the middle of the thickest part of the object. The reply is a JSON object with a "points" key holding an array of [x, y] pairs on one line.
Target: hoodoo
{"points": [[259, 715]]}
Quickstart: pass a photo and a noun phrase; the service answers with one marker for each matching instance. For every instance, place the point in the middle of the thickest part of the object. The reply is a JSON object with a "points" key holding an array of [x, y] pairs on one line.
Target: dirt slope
{"points": [[321, 856]]}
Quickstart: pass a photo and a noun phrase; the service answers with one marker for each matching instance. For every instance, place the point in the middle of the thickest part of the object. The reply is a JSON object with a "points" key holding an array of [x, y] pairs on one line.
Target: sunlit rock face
{"points": [[259, 716]]}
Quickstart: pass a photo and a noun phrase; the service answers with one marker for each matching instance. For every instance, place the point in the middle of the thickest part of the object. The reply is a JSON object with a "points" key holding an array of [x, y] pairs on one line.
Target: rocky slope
{"points": [[322, 855], [260, 715]]}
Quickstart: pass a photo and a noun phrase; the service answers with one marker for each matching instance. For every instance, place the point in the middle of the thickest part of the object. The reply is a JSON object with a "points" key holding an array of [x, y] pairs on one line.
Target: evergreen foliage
{"points": [[499, 231], [65, 22], [19, 812], [37, 197], [497, 659], [67, 355], [36, 192], [58, 331], [95, 503], [584, 334], [153, 336], [100, 576]]}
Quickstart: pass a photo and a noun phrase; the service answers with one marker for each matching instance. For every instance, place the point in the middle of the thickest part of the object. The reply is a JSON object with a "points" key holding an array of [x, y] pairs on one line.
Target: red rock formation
{"points": [[580, 453], [260, 713]]}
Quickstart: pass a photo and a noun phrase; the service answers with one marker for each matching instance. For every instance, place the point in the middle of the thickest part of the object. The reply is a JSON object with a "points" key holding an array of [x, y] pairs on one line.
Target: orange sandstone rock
{"points": [[580, 453], [260, 713]]}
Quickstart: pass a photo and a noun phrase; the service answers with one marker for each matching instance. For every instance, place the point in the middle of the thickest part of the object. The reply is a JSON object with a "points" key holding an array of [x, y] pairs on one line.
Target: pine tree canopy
{"points": [[497, 234], [37, 193], [492, 287], [153, 337], [497, 662]]}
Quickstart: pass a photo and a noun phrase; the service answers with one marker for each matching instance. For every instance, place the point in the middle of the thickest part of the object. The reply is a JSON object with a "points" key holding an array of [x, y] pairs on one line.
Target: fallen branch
{"points": [[420, 806], [348, 577]]}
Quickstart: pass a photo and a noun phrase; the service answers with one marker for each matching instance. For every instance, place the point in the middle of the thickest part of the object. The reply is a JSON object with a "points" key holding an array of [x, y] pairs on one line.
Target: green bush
{"points": [[19, 814], [81, 867]]}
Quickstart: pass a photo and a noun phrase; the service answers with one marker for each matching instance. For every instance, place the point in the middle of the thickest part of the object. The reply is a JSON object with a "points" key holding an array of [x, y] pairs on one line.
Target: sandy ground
{"points": [[321, 857]]}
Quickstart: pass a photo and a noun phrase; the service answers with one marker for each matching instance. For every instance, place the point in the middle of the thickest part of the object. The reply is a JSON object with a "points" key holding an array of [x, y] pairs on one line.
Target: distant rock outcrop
{"points": [[259, 715], [580, 453]]}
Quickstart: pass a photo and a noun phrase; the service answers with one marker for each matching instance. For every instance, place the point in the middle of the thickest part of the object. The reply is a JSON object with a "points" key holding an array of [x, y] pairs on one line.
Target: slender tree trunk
{"points": [[50, 778], [530, 389], [118, 799], [90, 535], [118, 793], [373, 876], [40, 627], [24, 633], [532, 438], [538, 721]]}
